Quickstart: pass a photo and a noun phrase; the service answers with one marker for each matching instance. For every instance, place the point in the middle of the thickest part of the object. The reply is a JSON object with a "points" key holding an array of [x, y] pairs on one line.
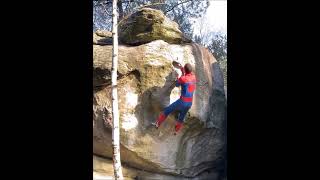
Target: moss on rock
{"points": [[147, 25]]}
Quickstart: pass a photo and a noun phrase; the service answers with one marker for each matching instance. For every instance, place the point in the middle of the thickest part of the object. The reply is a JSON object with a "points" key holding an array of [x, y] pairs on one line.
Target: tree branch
{"points": [[174, 6], [110, 1], [105, 10], [154, 4], [104, 1]]}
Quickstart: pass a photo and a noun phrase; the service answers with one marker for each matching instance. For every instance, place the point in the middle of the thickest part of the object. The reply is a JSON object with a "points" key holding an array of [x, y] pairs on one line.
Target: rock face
{"points": [[147, 25], [145, 78], [104, 170], [102, 38]]}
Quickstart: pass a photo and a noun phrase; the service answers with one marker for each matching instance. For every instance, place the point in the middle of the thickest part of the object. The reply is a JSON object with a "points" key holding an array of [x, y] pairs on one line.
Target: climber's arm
{"points": [[182, 69], [177, 83], [179, 80]]}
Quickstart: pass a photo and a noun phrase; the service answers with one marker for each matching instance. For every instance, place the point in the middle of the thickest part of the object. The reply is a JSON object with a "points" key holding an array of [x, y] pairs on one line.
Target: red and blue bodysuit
{"points": [[184, 103]]}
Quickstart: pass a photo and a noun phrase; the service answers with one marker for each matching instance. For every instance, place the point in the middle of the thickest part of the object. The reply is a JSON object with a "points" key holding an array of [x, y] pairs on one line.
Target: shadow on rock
{"points": [[152, 102]]}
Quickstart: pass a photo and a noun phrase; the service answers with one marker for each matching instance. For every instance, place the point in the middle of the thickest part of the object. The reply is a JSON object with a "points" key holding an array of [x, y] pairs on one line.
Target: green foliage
{"points": [[183, 13], [215, 42], [218, 46]]}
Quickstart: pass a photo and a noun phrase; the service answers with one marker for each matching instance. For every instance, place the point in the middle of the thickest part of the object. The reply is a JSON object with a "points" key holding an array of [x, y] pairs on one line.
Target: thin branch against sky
{"points": [[216, 17]]}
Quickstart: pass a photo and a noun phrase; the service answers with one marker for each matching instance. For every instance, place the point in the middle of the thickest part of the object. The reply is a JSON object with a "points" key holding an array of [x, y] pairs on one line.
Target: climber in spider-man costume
{"points": [[188, 85]]}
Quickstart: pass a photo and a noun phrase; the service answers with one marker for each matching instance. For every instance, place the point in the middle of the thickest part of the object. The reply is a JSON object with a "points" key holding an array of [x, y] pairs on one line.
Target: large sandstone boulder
{"points": [[147, 25], [145, 86], [144, 89]]}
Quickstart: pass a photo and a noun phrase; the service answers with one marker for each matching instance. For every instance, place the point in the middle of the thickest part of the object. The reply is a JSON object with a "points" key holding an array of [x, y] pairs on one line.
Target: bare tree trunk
{"points": [[115, 111]]}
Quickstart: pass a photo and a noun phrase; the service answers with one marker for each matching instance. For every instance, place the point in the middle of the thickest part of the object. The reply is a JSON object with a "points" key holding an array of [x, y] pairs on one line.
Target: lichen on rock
{"points": [[147, 25]]}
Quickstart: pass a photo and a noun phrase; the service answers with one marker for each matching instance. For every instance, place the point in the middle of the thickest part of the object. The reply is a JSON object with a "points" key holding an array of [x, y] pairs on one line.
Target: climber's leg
{"points": [[177, 127], [160, 119], [163, 115], [180, 119], [182, 114], [168, 110]]}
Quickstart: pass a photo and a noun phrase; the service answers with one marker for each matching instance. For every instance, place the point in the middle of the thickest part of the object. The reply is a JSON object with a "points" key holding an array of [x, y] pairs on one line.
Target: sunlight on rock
{"points": [[132, 99], [129, 121], [175, 95], [99, 176], [155, 62]]}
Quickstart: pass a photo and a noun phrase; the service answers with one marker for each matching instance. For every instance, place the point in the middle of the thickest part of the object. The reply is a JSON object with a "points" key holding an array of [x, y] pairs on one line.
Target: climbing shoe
{"points": [[155, 124]]}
